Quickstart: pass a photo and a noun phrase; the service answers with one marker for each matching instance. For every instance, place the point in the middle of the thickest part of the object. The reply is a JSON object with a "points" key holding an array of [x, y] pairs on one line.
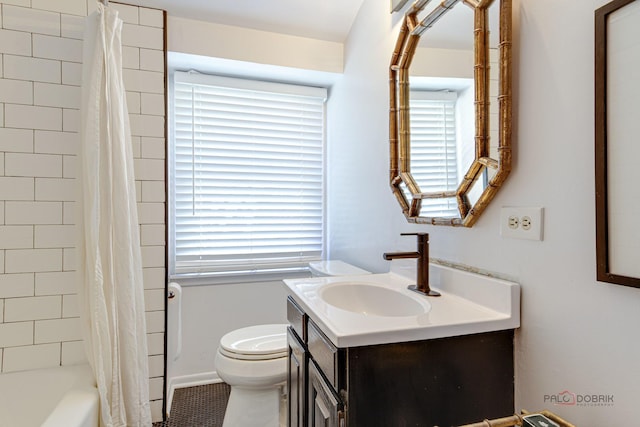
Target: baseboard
{"points": [[189, 381]]}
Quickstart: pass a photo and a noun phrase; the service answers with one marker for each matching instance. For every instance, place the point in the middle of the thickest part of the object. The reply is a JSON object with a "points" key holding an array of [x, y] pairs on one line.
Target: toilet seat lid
{"points": [[255, 342]]}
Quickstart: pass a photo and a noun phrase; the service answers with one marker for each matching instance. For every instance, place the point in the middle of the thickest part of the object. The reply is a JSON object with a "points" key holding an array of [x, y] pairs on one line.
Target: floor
{"points": [[200, 406]]}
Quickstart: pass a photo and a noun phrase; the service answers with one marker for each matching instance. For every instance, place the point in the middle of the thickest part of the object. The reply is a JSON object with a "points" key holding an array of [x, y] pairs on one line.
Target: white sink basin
{"points": [[369, 299], [379, 309]]}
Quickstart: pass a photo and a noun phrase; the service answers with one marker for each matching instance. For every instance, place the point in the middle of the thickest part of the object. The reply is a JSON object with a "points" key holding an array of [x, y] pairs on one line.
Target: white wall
{"points": [[40, 72], [244, 44], [211, 311], [577, 334]]}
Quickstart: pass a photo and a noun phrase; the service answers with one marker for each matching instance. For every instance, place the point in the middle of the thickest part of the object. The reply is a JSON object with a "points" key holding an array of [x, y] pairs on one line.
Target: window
{"points": [[246, 176], [434, 158]]}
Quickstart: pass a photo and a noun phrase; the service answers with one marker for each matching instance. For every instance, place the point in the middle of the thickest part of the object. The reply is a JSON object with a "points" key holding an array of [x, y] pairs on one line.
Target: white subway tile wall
{"points": [[30, 357], [16, 140], [73, 352], [30, 20], [26, 3], [17, 42], [155, 344], [40, 96], [16, 285], [31, 69]]}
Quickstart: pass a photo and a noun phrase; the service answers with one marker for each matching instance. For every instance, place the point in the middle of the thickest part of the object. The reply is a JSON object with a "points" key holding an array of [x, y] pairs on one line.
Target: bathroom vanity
{"points": [[441, 362]]}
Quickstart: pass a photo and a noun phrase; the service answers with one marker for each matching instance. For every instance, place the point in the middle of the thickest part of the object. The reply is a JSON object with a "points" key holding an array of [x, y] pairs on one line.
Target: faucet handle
{"points": [[423, 237], [423, 240]]}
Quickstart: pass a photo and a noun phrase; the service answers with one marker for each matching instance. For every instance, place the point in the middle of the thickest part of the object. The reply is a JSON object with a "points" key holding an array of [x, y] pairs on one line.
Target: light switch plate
{"points": [[521, 222]]}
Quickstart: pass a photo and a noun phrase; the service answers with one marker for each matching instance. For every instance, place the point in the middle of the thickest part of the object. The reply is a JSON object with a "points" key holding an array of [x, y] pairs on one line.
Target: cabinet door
{"points": [[296, 381], [325, 408]]}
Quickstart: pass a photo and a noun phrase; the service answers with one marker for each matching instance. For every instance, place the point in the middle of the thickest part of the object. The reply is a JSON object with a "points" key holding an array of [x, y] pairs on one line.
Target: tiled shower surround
{"points": [[40, 78]]}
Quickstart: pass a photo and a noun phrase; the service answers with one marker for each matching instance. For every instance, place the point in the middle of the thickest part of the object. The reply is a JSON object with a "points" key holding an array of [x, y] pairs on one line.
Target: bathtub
{"points": [[53, 397]]}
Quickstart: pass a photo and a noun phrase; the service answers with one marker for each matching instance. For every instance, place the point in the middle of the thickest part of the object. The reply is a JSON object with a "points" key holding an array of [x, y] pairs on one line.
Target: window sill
{"points": [[204, 279]]}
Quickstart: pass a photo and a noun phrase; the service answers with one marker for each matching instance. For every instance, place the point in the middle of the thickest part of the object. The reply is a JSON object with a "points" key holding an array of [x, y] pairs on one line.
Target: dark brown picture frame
{"points": [[604, 273]]}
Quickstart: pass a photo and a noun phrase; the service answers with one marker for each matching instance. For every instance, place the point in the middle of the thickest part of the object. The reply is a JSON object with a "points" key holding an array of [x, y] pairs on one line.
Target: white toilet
{"points": [[335, 268], [253, 361]]}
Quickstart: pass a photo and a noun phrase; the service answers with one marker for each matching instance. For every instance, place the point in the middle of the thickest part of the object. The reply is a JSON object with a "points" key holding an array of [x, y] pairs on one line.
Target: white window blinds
{"points": [[434, 160], [247, 176]]}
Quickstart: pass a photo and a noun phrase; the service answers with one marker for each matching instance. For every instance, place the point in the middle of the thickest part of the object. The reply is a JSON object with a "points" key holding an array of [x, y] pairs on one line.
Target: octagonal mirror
{"points": [[450, 109]]}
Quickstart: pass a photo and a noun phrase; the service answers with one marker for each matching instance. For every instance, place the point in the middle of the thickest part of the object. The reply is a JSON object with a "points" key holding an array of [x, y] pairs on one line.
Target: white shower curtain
{"points": [[109, 260]]}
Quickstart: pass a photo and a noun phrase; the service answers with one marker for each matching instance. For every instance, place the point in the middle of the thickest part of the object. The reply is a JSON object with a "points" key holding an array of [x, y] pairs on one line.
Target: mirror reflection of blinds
{"points": [[434, 159], [247, 175]]}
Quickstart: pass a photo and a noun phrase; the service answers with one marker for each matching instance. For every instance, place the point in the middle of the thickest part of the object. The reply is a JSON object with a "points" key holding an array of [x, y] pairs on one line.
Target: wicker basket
{"points": [[516, 420]]}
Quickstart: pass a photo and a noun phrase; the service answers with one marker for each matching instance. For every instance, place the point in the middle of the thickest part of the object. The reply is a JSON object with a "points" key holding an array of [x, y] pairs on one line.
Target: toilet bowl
{"points": [[253, 361]]}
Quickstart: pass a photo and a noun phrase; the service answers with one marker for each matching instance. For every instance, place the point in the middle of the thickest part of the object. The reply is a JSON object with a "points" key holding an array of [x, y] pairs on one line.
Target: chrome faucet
{"points": [[422, 256]]}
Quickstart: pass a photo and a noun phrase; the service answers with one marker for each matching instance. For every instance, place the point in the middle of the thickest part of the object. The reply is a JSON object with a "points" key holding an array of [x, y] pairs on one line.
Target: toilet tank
{"points": [[335, 268]]}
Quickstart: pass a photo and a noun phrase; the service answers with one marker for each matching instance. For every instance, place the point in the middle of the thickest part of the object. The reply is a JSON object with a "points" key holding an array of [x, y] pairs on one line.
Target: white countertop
{"points": [[470, 303]]}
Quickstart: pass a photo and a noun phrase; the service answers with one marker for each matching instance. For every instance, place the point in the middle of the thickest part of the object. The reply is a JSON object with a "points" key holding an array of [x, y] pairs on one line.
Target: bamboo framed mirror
{"points": [[617, 102], [486, 137]]}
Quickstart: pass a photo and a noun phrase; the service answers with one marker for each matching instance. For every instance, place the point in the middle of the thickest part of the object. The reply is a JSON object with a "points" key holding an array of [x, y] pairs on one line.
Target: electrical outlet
{"points": [[521, 223]]}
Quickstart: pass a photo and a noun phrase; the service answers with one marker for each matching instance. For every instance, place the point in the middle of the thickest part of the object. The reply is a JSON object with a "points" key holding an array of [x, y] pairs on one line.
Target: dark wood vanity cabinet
{"points": [[298, 366], [296, 380], [313, 400], [439, 382], [325, 406]]}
